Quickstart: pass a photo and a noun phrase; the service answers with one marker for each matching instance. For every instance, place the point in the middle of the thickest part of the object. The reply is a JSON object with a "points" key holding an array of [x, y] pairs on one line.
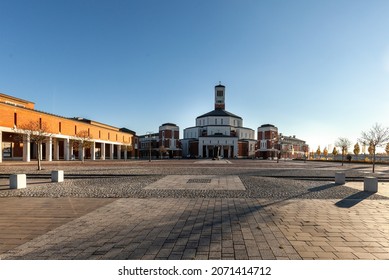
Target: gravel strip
{"points": [[256, 187]]}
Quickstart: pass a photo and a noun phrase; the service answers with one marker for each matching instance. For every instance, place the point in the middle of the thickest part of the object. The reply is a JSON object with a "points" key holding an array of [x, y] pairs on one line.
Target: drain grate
{"points": [[199, 181]]}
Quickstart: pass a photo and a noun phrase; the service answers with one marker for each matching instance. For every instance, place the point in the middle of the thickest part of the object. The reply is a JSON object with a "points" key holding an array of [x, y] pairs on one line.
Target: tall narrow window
{"points": [[15, 119], [60, 127], [75, 129], [88, 132], [40, 123], [99, 133]]}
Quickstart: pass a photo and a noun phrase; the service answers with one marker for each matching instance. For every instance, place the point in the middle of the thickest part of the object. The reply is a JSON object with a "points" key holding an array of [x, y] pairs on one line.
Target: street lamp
{"points": [[149, 133], [279, 139]]}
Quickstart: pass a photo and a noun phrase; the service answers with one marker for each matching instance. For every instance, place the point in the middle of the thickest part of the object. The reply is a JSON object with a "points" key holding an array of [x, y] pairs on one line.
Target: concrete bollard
{"points": [[340, 178], [57, 176], [18, 181], [370, 184]]}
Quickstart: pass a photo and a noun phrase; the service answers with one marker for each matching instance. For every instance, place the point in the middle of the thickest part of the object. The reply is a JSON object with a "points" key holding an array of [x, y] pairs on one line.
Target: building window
{"points": [[75, 129], [99, 133], [15, 119], [219, 93], [40, 123], [60, 127]]}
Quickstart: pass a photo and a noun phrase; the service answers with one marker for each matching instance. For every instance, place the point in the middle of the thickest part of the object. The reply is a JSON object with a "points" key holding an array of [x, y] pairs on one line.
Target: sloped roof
{"points": [[219, 113]]}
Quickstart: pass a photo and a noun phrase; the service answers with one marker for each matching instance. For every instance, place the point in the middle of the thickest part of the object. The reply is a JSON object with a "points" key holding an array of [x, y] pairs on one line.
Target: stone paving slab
{"points": [[23, 219], [198, 182], [206, 228]]}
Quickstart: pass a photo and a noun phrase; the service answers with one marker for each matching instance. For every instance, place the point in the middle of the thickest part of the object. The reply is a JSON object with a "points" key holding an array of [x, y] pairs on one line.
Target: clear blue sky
{"points": [[316, 69]]}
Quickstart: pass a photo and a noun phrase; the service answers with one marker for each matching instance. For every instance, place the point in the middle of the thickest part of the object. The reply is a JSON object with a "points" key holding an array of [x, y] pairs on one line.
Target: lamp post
{"points": [[279, 139], [149, 133]]}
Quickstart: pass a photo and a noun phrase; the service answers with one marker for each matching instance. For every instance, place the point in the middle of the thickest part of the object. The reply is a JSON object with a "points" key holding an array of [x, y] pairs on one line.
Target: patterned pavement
{"points": [[194, 228]]}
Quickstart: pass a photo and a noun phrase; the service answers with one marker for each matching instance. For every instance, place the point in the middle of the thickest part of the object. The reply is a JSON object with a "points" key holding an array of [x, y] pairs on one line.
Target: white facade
{"points": [[217, 133]]}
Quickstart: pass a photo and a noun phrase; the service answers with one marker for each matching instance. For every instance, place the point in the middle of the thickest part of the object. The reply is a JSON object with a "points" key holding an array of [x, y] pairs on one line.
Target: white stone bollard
{"points": [[57, 176], [17, 181], [370, 184], [340, 178]]}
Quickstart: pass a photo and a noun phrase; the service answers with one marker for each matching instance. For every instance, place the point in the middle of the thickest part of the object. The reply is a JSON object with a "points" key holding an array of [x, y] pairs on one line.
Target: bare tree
{"points": [[37, 132], [82, 142], [325, 152], [334, 152], [318, 152], [162, 151], [344, 144], [377, 136], [357, 150]]}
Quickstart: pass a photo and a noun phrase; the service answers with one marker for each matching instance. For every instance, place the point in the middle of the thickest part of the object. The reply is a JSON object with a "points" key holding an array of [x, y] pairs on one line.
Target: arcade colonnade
{"points": [[16, 146], [61, 135]]}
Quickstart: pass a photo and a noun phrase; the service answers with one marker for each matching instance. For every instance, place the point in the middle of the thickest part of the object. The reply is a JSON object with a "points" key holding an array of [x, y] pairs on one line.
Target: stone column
{"points": [[66, 149], [81, 152], [119, 151], [93, 151], [26, 148], [102, 151], [236, 149], [125, 152], [41, 150], [56, 149], [111, 151], [49, 149]]}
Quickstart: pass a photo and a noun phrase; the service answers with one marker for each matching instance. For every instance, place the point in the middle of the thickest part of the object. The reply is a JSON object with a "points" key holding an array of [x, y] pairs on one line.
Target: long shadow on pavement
{"points": [[353, 199]]}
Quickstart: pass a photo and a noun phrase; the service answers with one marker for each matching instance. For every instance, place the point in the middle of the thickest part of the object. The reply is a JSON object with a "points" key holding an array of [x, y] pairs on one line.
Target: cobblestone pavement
{"points": [[272, 218]]}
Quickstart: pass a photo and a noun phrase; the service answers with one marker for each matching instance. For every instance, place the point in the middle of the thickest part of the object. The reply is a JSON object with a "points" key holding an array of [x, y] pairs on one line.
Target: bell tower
{"points": [[220, 91]]}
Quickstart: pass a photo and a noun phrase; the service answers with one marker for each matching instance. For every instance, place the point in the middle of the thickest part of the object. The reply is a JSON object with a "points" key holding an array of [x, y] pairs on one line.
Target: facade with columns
{"points": [[62, 135], [219, 133]]}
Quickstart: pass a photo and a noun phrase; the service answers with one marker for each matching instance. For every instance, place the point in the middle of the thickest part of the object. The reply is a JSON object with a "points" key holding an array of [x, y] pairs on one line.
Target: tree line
{"points": [[376, 137]]}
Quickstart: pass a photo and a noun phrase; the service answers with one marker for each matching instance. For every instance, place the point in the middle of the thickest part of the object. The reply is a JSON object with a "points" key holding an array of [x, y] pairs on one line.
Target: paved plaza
{"points": [[188, 209]]}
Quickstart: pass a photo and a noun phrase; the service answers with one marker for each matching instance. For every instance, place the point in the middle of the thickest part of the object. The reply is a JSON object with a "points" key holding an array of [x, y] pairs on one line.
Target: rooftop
{"points": [[219, 113]]}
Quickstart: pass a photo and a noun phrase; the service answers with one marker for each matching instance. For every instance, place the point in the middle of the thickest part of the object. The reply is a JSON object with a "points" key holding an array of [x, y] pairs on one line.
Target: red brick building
{"points": [[272, 144]]}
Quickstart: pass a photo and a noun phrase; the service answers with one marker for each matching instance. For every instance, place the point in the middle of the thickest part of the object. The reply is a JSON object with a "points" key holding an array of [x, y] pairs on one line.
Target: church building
{"points": [[219, 133]]}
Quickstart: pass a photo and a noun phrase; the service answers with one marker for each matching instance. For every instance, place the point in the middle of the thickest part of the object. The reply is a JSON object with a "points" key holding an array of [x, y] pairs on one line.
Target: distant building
{"points": [[163, 144], [219, 133], [267, 145], [149, 145], [292, 147], [107, 142], [169, 140], [272, 144]]}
